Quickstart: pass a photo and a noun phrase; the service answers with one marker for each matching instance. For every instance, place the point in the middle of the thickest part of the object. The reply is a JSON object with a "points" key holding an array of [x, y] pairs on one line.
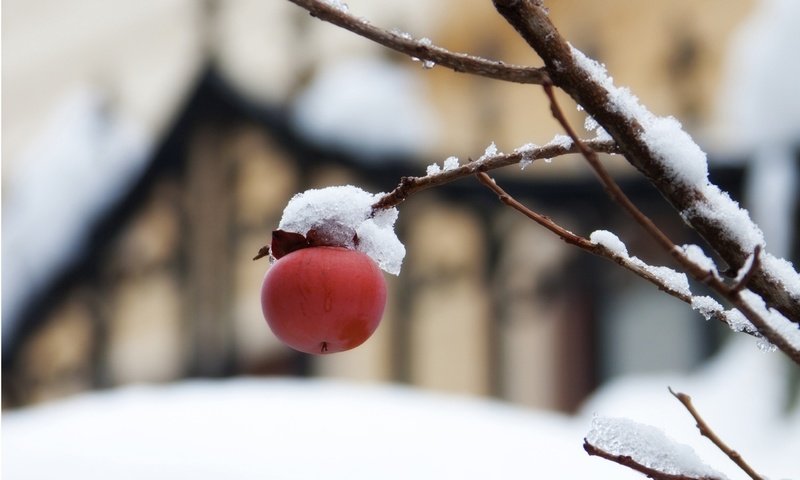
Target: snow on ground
{"points": [[285, 429]]}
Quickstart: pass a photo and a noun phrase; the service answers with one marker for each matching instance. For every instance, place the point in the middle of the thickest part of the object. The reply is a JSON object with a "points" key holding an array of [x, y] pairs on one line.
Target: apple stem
{"points": [[324, 347]]}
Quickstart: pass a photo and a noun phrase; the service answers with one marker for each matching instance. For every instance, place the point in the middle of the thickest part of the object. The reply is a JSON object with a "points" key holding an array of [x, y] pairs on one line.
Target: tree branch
{"points": [[707, 432], [732, 294], [530, 19], [629, 462], [638, 268], [542, 220], [411, 185], [423, 50]]}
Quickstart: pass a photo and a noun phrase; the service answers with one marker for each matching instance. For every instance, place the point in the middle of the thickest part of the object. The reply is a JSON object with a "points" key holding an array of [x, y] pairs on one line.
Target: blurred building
{"points": [[150, 147]]}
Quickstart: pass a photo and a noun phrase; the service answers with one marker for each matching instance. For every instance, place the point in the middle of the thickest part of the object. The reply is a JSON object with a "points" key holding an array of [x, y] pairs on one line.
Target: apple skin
{"points": [[323, 300]]}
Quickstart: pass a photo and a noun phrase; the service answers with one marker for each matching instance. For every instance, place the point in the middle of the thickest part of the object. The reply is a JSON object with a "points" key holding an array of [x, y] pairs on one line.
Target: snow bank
{"points": [[272, 428]]}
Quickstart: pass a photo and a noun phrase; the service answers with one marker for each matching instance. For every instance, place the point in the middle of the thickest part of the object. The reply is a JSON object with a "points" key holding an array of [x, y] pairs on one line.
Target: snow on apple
{"points": [[325, 292], [344, 215]]}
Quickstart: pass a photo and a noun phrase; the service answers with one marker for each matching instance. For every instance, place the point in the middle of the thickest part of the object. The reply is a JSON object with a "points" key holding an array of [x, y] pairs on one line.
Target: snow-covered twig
{"points": [[411, 185], [607, 245], [423, 50], [707, 432], [645, 449]]}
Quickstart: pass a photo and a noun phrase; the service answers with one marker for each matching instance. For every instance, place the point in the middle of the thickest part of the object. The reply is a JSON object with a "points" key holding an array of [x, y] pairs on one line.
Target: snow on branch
{"points": [[421, 49], [664, 153], [749, 316], [766, 293], [607, 245], [490, 160], [646, 449]]}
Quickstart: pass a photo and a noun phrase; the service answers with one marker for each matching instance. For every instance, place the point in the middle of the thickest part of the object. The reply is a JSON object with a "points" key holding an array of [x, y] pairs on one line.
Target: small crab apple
{"points": [[323, 299]]}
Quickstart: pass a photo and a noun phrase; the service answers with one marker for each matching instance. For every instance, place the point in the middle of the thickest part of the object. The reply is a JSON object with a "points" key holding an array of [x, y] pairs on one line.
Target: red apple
{"points": [[323, 299]]}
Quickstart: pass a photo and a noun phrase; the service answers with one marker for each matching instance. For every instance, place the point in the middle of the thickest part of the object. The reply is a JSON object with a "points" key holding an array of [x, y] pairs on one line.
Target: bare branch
{"points": [[629, 462], [459, 62], [411, 185], [707, 432], [542, 220]]}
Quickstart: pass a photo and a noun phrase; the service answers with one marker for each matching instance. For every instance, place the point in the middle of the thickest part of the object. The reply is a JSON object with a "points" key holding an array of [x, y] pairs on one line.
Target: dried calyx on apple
{"points": [[325, 291]]}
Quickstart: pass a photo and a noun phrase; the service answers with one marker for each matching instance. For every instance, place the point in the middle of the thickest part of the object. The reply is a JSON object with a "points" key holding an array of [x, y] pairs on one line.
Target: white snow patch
{"points": [[426, 42], [370, 106], [696, 255], [719, 208], [402, 34], [738, 322], [563, 141], [610, 241], [671, 279], [450, 163], [490, 151], [290, 429], [525, 150], [648, 446], [340, 212], [707, 306], [272, 428], [783, 272], [788, 330], [681, 157]]}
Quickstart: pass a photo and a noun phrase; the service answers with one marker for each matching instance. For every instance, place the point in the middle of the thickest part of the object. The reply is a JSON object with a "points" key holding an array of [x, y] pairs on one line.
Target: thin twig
{"points": [[707, 432], [611, 186], [629, 462], [542, 220], [411, 185], [423, 50], [587, 245]]}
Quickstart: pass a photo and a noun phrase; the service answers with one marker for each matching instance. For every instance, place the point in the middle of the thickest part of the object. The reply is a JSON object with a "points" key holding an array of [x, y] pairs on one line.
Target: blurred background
{"points": [[149, 148]]}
